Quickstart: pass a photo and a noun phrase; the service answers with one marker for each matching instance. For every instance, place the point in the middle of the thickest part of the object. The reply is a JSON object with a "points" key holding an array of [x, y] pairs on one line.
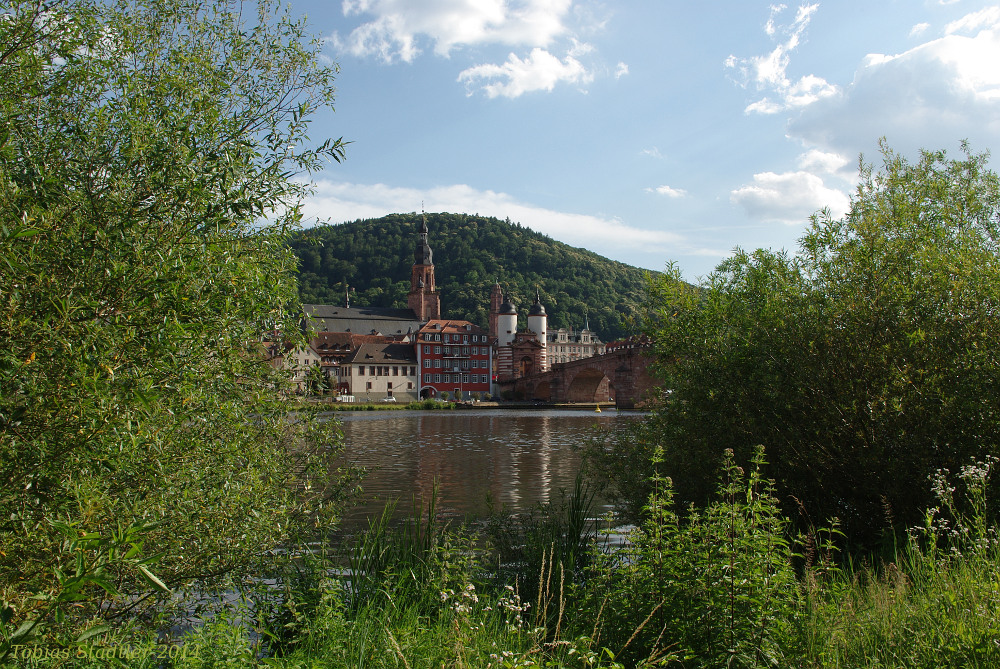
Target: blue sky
{"points": [[647, 131]]}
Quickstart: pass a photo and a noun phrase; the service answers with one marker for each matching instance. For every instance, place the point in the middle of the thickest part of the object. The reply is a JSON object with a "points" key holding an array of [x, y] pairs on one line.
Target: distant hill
{"points": [[374, 258]]}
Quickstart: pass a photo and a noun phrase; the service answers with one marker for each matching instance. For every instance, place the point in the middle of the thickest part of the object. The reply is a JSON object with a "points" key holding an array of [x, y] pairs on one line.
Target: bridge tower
{"points": [[537, 323]]}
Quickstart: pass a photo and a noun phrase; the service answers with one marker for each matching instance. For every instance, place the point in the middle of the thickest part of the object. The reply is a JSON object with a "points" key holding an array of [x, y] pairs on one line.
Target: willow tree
{"points": [[152, 155], [862, 363]]}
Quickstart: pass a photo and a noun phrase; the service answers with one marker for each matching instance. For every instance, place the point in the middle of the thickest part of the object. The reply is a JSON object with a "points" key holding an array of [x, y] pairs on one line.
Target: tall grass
{"points": [[723, 586]]}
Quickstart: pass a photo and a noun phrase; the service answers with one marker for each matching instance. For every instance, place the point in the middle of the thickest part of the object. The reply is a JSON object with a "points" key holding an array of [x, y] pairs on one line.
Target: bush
{"points": [[717, 588], [146, 191], [863, 363]]}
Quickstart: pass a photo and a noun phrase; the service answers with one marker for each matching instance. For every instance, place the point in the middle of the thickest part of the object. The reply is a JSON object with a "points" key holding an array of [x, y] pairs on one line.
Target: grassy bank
{"points": [[723, 587]]}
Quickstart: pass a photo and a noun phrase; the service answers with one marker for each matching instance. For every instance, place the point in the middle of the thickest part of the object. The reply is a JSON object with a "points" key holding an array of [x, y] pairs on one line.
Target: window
{"points": [[465, 350], [437, 350], [427, 363], [465, 338], [437, 378], [395, 370], [437, 363], [369, 385], [447, 378], [409, 385], [371, 371], [465, 378], [413, 371], [475, 350], [437, 337], [427, 378], [427, 349]]}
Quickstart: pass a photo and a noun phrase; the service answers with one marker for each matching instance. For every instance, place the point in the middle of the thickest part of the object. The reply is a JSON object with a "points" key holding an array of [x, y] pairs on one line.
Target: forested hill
{"points": [[374, 257]]}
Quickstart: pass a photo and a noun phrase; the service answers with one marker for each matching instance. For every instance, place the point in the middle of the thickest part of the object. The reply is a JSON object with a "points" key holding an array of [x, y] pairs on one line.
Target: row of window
{"points": [[456, 350], [466, 364], [379, 370], [455, 338], [454, 378], [409, 386]]}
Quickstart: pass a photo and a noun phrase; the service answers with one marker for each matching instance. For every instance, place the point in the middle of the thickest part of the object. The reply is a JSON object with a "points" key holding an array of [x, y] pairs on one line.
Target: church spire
{"points": [[423, 255], [423, 298]]}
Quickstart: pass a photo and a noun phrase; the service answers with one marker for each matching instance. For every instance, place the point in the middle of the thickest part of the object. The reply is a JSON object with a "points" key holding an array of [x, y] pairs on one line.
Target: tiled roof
{"points": [[361, 320], [384, 353]]}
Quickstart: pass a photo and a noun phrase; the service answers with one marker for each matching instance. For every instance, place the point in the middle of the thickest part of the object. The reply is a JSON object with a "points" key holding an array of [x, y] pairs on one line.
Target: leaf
{"points": [[151, 577], [92, 632]]}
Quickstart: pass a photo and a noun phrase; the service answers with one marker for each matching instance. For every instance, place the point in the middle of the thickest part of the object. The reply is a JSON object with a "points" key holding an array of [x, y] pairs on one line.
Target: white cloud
{"points": [[654, 152], [941, 91], [668, 191], [769, 72], [919, 29], [984, 18], [339, 202], [815, 161], [621, 70], [396, 25], [539, 71], [788, 198]]}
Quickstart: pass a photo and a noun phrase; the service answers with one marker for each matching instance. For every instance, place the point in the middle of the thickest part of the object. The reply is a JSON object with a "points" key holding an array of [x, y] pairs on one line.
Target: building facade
{"points": [[569, 345], [383, 371], [455, 357]]}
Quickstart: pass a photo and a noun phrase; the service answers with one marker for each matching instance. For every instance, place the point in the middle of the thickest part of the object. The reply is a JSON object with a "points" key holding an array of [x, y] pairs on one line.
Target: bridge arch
{"points": [[542, 392], [590, 384]]}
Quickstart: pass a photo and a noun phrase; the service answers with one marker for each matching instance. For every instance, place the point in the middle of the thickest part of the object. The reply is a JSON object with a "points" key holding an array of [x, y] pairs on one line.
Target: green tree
{"points": [[471, 253], [862, 363], [148, 155]]}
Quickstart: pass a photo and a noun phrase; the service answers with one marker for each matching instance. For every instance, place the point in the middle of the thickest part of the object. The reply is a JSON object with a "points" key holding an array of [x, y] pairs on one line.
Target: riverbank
{"points": [[722, 588], [330, 404]]}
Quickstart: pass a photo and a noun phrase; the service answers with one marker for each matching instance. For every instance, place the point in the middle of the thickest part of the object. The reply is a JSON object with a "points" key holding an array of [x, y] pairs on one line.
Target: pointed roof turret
{"points": [[537, 309]]}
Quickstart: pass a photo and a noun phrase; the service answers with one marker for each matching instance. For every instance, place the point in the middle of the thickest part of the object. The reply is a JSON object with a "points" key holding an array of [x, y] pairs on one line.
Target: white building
{"points": [[375, 372]]}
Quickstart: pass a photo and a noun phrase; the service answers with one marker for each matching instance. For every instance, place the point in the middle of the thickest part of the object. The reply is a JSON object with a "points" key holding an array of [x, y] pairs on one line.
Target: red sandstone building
{"points": [[454, 357]]}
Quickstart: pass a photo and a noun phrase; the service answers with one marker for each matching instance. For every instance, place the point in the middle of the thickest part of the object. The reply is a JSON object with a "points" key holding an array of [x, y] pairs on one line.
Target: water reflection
{"points": [[519, 459]]}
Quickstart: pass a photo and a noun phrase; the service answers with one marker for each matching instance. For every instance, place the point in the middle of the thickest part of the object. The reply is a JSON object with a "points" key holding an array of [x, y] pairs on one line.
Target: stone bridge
{"points": [[620, 376]]}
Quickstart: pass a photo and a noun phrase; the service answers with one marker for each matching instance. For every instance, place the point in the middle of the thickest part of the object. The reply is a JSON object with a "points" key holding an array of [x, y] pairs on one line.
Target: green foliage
{"points": [[864, 362], [714, 589], [147, 156], [545, 550], [374, 257], [717, 588], [936, 604]]}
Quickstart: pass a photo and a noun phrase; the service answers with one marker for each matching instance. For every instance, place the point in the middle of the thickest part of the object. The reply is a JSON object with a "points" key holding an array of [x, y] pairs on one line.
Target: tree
{"points": [[862, 363], [149, 151]]}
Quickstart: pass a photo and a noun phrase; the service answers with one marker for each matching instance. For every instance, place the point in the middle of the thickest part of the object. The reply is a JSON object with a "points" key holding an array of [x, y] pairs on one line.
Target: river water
{"points": [[517, 458]]}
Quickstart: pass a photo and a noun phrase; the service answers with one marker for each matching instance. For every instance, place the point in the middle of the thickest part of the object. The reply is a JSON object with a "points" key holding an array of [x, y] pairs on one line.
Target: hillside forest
{"points": [[373, 257]]}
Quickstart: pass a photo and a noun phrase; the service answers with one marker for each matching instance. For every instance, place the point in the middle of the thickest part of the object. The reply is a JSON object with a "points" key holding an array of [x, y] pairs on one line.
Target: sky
{"points": [[648, 131]]}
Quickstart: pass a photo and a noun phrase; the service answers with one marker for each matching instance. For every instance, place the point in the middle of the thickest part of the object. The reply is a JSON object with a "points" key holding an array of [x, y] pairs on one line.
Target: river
{"points": [[517, 458]]}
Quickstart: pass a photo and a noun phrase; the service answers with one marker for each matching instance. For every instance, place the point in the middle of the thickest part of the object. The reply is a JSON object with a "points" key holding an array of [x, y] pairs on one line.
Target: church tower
{"points": [[496, 301], [423, 297]]}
